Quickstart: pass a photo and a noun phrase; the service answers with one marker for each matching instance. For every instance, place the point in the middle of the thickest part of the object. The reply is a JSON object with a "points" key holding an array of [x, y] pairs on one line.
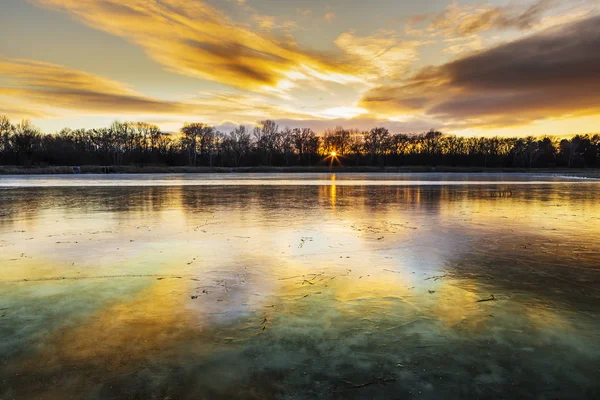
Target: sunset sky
{"points": [[470, 68]]}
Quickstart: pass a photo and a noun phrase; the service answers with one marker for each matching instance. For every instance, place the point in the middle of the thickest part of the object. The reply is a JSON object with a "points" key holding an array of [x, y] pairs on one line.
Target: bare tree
{"points": [[337, 140], [6, 130], [306, 143], [287, 144], [26, 139], [356, 146], [200, 144], [195, 139], [376, 143], [238, 144], [267, 140]]}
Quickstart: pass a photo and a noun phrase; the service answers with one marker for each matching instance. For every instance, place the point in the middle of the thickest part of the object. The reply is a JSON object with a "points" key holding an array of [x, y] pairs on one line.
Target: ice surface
{"points": [[359, 287]]}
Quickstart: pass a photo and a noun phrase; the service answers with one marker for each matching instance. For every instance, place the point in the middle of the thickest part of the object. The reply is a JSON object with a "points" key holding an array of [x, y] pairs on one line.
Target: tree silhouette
{"points": [[198, 144], [26, 139]]}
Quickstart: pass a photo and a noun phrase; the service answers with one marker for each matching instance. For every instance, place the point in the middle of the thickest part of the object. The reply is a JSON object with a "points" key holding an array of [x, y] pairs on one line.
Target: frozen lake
{"points": [[257, 286]]}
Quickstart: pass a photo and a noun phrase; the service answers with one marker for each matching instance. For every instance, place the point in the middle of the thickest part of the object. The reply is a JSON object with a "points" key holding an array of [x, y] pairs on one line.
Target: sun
{"points": [[333, 157]]}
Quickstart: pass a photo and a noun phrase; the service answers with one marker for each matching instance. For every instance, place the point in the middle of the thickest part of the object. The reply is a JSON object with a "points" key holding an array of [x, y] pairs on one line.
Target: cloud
{"points": [[552, 74], [18, 111], [464, 44], [409, 125], [305, 12], [44, 90], [56, 86], [37, 89], [382, 54], [196, 39], [466, 20], [269, 23], [330, 16]]}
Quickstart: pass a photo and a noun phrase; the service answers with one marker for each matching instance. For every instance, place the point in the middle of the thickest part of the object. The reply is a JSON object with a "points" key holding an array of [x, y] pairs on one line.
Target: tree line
{"points": [[267, 144]]}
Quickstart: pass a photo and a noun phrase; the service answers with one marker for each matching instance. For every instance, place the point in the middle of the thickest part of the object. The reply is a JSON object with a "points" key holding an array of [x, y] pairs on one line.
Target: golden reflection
{"points": [[332, 194], [129, 331], [541, 317], [121, 338], [378, 287], [455, 306]]}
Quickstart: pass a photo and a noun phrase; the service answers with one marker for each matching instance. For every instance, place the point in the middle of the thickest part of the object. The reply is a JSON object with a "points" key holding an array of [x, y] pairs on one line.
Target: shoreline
{"points": [[128, 169]]}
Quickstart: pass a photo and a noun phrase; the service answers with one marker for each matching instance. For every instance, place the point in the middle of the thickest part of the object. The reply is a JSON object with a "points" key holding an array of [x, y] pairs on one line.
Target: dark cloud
{"points": [[562, 57], [549, 74]]}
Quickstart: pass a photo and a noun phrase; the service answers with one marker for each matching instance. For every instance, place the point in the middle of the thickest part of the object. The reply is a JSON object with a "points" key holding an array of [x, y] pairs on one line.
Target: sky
{"points": [[509, 68]]}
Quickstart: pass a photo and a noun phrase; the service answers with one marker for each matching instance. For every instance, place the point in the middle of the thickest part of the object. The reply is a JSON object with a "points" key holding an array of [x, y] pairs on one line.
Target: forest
{"points": [[267, 144]]}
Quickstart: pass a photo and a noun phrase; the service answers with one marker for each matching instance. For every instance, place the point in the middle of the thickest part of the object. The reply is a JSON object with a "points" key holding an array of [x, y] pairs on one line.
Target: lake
{"points": [[259, 286]]}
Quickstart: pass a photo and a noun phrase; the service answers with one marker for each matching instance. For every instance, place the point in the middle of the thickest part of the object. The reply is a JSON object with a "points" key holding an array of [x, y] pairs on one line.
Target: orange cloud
{"points": [[56, 86], [196, 39], [18, 112], [37, 89]]}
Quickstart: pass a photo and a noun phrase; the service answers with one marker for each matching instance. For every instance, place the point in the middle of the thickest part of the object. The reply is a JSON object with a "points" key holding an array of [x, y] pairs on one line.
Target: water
{"points": [[308, 286]]}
